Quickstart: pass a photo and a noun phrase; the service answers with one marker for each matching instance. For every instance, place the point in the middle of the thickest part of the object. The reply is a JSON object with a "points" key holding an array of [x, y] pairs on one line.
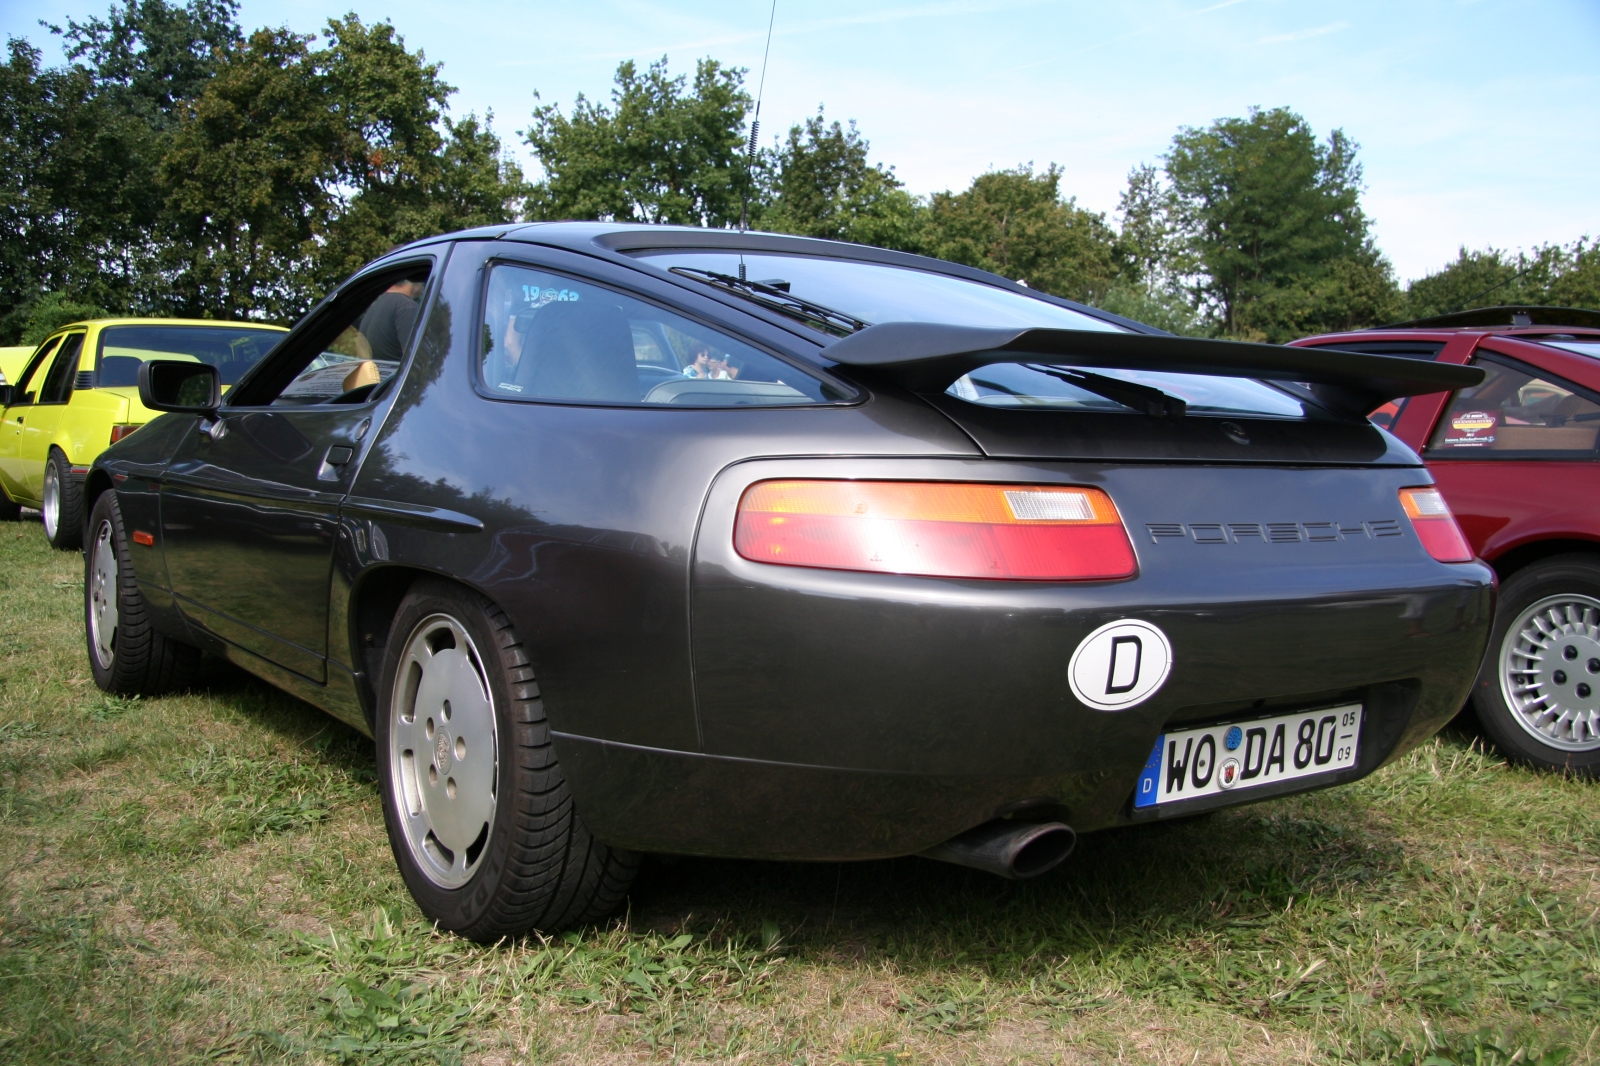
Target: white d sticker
{"points": [[1120, 665]]}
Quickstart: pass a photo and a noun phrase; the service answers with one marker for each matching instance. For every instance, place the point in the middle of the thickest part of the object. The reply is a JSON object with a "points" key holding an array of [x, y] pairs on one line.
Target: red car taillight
{"points": [[1435, 525], [120, 431], [936, 528]]}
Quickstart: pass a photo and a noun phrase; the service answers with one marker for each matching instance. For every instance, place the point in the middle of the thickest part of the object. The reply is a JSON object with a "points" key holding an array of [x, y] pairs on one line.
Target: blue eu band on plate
{"points": [[1193, 763]]}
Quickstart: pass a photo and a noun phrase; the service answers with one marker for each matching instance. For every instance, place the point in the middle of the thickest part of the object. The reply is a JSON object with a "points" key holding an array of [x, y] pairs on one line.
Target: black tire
{"points": [[538, 867], [62, 509], [134, 659], [1562, 592]]}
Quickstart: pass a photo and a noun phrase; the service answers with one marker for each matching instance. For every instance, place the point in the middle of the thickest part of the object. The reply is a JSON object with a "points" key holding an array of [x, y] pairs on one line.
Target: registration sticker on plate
{"points": [[1192, 763]]}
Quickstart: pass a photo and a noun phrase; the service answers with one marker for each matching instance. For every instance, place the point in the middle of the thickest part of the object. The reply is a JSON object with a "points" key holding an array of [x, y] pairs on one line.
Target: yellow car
{"points": [[78, 393], [12, 362]]}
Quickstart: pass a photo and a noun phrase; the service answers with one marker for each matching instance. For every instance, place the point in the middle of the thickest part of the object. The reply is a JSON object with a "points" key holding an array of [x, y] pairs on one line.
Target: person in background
{"points": [[388, 322], [700, 367]]}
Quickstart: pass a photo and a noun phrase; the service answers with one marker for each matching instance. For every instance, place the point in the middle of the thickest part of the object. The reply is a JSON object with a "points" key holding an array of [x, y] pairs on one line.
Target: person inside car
{"points": [[387, 323]]}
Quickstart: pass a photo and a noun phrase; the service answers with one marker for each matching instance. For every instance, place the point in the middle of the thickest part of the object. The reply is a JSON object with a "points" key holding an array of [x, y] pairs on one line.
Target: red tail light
{"points": [[120, 431], [936, 528], [1435, 525]]}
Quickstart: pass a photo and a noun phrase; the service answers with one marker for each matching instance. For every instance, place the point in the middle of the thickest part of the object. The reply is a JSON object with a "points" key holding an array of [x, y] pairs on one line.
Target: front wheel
{"points": [[1538, 694], [62, 504], [479, 816], [127, 655]]}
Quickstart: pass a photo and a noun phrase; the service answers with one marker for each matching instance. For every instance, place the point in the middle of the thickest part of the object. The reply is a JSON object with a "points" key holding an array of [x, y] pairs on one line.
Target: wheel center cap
{"points": [[441, 750]]}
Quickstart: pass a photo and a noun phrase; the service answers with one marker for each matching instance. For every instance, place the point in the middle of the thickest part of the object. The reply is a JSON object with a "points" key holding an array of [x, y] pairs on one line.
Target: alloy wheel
{"points": [[1550, 671], [52, 500], [444, 751], [103, 595]]}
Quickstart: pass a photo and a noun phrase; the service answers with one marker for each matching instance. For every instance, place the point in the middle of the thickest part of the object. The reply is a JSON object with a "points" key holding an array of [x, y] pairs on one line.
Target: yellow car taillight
{"points": [[120, 431]]}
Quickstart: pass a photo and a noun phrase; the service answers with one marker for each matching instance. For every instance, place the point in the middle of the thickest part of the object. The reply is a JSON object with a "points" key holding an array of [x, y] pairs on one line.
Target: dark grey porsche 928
{"points": [[641, 539]]}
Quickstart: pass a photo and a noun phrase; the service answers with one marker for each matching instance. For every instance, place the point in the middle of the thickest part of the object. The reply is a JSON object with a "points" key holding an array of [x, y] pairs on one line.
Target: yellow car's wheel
{"points": [[63, 504]]}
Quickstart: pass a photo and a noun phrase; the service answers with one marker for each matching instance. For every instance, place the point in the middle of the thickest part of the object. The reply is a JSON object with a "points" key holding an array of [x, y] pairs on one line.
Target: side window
{"points": [[33, 374], [1515, 411], [551, 338], [57, 387], [359, 352]]}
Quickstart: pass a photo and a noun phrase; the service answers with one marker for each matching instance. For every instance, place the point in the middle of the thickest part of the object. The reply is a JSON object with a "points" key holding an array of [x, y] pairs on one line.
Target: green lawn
{"points": [[206, 878]]}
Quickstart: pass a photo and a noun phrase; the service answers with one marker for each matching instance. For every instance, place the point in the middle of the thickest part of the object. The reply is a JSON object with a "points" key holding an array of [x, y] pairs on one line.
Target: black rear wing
{"points": [[925, 357]]}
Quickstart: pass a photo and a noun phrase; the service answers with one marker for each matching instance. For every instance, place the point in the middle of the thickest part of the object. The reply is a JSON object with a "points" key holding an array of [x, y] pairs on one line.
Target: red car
{"points": [[1517, 462]]}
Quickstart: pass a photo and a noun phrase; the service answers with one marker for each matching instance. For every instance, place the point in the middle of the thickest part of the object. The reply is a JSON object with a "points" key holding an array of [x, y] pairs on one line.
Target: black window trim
{"points": [[1479, 455], [856, 396], [315, 322], [40, 354], [71, 379]]}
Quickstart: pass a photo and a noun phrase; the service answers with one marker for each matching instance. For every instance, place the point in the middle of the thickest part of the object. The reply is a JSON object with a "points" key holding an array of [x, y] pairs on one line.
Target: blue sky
{"points": [[1478, 120]]}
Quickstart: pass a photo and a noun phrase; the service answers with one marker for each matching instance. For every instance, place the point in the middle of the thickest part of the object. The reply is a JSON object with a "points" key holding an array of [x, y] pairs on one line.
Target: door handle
{"points": [[333, 461]]}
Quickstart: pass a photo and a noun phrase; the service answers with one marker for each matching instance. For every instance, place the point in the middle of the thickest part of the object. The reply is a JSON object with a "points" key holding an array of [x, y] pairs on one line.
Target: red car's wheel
{"points": [[1538, 694]]}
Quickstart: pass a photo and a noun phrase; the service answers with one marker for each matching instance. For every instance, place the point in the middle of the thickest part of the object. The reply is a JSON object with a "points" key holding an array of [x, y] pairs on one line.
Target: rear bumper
{"points": [[847, 715], [920, 750]]}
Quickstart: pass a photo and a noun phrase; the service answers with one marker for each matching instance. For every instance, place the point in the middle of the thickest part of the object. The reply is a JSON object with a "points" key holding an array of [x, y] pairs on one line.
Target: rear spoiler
{"points": [[926, 357]]}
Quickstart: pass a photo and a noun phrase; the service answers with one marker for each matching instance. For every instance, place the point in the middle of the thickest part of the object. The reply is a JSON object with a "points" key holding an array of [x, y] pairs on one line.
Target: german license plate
{"points": [[1192, 763]]}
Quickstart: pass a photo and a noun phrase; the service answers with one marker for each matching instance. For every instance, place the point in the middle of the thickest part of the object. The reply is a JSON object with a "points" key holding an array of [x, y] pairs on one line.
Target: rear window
{"points": [[877, 292], [1516, 413], [1040, 387], [1589, 346], [231, 349]]}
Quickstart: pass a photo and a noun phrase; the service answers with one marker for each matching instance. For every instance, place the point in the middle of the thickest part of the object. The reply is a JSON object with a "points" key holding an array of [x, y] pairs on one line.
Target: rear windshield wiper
{"points": [[775, 296], [1142, 398]]}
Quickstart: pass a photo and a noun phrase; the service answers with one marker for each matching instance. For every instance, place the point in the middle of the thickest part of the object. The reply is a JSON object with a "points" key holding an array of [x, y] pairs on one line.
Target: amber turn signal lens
{"points": [[936, 528], [1435, 525], [120, 431]]}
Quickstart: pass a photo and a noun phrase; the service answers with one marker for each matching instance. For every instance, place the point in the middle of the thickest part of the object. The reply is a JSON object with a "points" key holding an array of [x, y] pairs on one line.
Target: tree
{"points": [[821, 185], [1015, 223], [661, 152], [297, 164], [1550, 275], [1265, 212]]}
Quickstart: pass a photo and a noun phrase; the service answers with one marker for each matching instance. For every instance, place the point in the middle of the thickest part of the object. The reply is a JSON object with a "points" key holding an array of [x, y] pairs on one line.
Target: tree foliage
{"points": [[819, 183], [176, 165], [662, 151], [1549, 275]]}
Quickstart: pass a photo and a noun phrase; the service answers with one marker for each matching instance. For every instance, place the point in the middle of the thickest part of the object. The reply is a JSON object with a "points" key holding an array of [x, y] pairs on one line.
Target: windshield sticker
{"points": [[1471, 429]]}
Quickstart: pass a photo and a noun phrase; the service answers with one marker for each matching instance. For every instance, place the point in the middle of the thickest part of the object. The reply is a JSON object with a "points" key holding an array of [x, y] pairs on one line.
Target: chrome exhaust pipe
{"points": [[1012, 850]]}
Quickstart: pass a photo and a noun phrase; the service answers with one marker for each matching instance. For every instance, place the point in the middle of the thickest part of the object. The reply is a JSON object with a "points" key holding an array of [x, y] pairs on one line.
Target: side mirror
{"points": [[188, 388]]}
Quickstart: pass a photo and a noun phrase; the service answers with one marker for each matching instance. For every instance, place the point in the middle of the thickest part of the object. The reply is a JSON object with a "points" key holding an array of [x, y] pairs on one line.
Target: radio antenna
{"points": [[755, 128]]}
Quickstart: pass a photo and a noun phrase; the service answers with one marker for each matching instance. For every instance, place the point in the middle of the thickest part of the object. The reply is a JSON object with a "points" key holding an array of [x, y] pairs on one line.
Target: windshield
{"points": [[1035, 387], [875, 292], [231, 349]]}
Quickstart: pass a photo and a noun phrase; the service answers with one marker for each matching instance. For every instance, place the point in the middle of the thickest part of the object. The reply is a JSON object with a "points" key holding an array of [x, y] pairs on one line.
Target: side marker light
{"points": [[1435, 525], [141, 537], [936, 529]]}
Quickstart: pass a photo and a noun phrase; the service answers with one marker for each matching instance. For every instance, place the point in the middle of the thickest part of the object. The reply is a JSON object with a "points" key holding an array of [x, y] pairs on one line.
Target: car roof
{"points": [[101, 323]]}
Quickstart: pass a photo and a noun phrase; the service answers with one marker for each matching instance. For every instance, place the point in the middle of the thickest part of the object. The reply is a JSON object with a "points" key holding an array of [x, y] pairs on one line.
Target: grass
{"points": [[205, 878]]}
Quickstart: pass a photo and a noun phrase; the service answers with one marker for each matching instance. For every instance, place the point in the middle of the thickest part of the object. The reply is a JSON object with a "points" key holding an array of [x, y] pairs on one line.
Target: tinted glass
{"points": [[57, 387], [33, 374], [1034, 387], [547, 337], [874, 292], [1515, 411], [366, 354], [230, 349]]}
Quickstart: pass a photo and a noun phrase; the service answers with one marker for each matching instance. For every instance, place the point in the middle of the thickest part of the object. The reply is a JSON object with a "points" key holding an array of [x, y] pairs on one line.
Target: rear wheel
{"points": [[63, 503], [1538, 694], [127, 655], [479, 816]]}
